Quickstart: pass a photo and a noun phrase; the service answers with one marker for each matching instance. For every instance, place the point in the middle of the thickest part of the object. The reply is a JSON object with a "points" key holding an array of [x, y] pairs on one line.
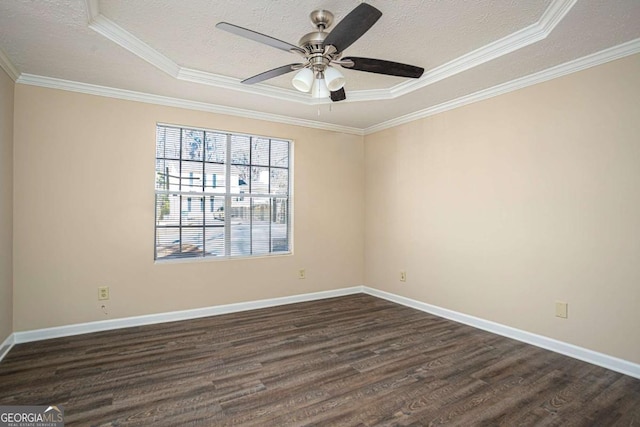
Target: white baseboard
{"points": [[6, 345], [580, 353], [105, 325]]}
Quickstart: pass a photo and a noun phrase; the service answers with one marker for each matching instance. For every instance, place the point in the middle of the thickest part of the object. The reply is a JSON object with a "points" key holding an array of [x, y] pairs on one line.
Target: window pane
{"points": [[259, 180], [214, 242], [167, 175], [174, 174], [240, 210], [239, 179], [214, 181], [191, 176], [260, 225], [240, 240], [167, 242], [167, 142], [204, 204], [279, 181], [192, 214], [279, 226], [240, 150], [240, 227], [192, 144], [167, 210], [162, 178], [215, 147], [280, 153], [192, 241], [161, 133], [260, 151], [214, 211]]}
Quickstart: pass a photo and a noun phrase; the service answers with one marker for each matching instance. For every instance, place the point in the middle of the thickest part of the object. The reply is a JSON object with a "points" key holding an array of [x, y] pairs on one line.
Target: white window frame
{"points": [[228, 196]]}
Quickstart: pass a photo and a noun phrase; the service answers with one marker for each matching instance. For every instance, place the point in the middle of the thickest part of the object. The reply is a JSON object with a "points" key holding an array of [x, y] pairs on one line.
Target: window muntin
{"points": [[220, 194]]}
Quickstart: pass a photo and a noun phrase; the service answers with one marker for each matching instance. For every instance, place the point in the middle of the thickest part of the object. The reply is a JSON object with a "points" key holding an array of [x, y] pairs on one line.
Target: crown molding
{"points": [[112, 31], [552, 16], [109, 29], [517, 40], [369, 95], [629, 48], [204, 77], [93, 10], [90, 89], [8, 67], [611, 54]]}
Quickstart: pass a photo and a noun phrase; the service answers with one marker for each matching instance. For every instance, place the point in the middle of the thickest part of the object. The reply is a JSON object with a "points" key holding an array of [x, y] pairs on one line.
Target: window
{"points": [[246, 180]]}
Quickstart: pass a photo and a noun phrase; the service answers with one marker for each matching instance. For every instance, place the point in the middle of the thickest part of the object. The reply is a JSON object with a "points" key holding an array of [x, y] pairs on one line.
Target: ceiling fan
{"points": [[322, 51]]}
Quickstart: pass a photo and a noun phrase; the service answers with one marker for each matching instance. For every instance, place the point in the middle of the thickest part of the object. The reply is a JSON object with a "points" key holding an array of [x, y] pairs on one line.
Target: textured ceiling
{"points": [[172, 48], [188, 36]]}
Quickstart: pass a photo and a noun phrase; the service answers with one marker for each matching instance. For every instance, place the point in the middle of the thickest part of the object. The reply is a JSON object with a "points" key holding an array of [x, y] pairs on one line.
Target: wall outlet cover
{"points": [[562, 309]]}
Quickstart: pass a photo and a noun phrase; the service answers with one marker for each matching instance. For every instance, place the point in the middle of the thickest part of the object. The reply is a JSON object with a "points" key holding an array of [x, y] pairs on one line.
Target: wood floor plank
{"points": [[353, 361]]}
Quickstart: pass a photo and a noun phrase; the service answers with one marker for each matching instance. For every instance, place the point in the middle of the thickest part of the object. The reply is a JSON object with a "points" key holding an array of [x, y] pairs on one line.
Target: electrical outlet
{"points": [[562, 309], [302, 274], [103, 293], [403, 276]]}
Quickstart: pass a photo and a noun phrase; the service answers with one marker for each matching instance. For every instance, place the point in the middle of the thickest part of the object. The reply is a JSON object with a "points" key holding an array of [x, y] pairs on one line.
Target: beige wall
{"points": [[6, 206], [84, 173], [496, 209], [502, 207]]}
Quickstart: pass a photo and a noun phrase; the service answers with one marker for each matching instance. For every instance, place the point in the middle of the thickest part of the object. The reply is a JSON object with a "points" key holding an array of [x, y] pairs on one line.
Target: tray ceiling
{"points": [[170, 51]]}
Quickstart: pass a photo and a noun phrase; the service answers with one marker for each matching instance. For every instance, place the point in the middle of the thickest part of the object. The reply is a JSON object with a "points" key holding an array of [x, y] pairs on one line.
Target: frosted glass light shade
{"points": [[334, 78], [303, 80], [320, 89]]}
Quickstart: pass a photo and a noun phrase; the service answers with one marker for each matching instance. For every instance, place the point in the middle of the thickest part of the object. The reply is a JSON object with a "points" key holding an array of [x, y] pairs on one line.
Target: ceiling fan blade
{"points": [[353, 26], [271, 74], [258, 37], [338, 95], [380, 66]]}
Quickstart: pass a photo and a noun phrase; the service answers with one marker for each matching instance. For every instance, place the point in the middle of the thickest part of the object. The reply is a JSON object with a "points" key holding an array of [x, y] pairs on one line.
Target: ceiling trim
{"points": [[8, 67], [112, 31], [556, 11], [631, 47], [93, 10], [611, 54], [204, 77], [534, 33], [129, 95]]}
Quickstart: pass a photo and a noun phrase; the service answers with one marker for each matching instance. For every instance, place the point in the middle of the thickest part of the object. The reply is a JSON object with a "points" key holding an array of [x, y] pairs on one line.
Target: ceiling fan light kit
{"points": [[303, 80], [334, 78], [322, 51], [320, 89]]}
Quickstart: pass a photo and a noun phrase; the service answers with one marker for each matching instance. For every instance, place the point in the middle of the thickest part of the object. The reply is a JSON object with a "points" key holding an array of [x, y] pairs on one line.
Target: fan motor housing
{"points": [[313, 42]]}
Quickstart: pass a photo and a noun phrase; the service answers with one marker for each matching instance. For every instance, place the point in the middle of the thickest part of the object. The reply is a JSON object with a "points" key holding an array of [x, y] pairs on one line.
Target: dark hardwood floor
{"points": [[353, 361]]}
